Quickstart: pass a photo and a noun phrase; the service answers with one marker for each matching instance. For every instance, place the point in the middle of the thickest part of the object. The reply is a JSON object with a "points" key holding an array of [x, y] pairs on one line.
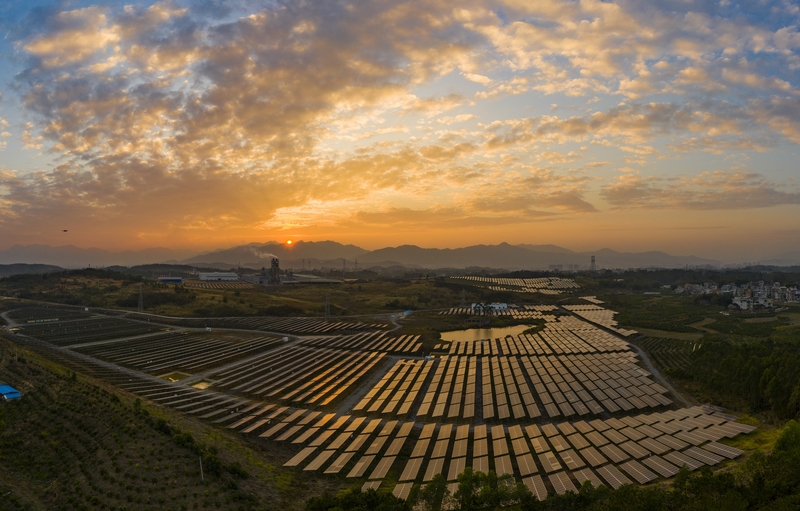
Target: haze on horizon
{"points": [[637, 126]]}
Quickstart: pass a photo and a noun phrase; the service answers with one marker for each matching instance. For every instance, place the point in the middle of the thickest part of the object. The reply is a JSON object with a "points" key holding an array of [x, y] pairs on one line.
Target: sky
{"points": [[659, 125]]}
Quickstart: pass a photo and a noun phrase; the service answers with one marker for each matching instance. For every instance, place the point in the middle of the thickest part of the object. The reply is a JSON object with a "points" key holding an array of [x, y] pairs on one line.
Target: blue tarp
{"points": [[8, 392]]}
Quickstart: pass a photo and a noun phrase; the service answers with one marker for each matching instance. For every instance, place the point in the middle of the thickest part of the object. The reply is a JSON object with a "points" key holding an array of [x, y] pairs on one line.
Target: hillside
{"points": [[74, 443]]}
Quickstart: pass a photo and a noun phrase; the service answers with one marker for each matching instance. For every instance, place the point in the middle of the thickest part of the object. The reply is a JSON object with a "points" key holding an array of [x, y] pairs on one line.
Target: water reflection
{"points": [[477, 334]]}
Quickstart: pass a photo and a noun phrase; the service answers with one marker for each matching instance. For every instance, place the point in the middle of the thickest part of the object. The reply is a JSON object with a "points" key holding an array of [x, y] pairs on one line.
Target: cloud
{"points": [[721, 190], [221, 115], [455, 119]]}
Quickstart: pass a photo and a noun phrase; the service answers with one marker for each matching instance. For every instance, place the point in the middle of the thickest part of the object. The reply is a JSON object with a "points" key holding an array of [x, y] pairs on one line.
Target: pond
{"points": [[478, 334]]}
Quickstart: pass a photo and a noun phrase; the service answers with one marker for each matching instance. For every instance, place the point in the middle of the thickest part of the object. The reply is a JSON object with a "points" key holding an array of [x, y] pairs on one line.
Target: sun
{"points": [[289, 242]]}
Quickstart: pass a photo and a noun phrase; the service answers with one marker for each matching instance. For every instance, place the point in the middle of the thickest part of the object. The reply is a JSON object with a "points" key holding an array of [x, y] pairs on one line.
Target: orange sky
{"points": [[583, 124]]}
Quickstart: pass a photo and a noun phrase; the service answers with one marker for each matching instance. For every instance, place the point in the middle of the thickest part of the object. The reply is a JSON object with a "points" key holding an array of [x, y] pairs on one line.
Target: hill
{"points": [[330, 254], [22, 268], [73, 442]]}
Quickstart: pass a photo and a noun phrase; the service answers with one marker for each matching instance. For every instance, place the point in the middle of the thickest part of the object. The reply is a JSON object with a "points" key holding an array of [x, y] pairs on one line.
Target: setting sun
{"points": [[289, 242]]}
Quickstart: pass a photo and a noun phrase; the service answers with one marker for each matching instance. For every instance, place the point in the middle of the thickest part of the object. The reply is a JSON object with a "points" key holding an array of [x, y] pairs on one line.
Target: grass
{"points": [[670, 313], [663, 334], [761, 439]]}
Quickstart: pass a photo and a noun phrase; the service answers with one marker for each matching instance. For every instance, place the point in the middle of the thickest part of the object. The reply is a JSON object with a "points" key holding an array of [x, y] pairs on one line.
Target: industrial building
{"points": [[219, 276]]}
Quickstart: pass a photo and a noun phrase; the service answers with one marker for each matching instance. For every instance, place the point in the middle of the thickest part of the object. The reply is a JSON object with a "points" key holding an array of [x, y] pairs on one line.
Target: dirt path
{"points": [[700, 325]]}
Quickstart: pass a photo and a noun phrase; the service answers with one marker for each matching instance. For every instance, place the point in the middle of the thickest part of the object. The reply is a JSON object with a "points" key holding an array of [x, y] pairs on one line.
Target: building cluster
{"points": [[746, 296]]}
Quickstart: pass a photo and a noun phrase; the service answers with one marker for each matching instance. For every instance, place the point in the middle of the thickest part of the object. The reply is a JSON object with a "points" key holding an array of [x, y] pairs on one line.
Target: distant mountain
{"points": [[70, 256], [258, 255], [555, 249], [519, 257], [21, 268], [785, 259], [330, 254]]}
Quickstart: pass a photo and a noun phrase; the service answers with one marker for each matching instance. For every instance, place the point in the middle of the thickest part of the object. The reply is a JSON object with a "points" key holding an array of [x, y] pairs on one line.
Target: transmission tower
{"points": [[328, 305], [141, 299], [593, 267]]}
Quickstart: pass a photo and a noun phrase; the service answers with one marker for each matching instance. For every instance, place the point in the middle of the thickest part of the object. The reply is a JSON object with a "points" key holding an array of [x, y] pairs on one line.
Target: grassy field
{"points": [[99, 288], [73, 443], [668, 313]]}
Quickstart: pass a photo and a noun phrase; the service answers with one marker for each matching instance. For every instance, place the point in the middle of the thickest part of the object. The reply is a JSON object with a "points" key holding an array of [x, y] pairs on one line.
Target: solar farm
{"points": [[543, 285], [362, 401]]}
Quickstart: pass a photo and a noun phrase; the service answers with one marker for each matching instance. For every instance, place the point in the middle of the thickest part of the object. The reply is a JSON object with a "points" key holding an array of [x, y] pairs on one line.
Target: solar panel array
{"points": [[369, 341], [78, 331], [182, 351], [599, 315], [397, 391], [297, 374], [300, 326], [553, 458], [571, 370], [545, 285]]}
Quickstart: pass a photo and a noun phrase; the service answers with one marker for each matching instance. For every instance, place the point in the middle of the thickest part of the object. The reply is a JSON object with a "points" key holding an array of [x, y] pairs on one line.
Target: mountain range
{"points": [[330, 254]]}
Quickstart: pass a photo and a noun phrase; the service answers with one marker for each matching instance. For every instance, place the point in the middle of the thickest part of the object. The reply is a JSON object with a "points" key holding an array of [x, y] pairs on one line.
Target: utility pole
{"points": [[201, 469], [141, 299], [327, 305], [344, 261]]}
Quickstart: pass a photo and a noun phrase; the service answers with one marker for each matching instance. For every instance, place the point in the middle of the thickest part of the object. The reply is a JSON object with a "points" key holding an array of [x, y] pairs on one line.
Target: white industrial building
{"points": [[220, 276]]}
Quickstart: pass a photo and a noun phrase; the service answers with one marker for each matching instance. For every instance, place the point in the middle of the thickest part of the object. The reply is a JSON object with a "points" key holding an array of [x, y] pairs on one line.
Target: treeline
{"points": [[758, 375], [765, 482]]}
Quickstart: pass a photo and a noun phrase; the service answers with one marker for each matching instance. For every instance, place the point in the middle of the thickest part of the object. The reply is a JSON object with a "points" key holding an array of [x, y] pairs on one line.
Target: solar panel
{"points": [[571, 459], [361, 466], [558, 442], [457, 466], [663, 467], [613, 476], [460, 448], [434, 467], [614, 453], [615, 436], [562, 483], [395, 446], [577, 441], [638, 471], [586, 474], [549, 462], [339, 463], [480, 447], [723, 450], [502, 465], [299, 457], [402, 490], [702, 455], [421, 447], [382, 468], [440, 448], [681, 460], [317, 462], [411, 470], [536, 486]]}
